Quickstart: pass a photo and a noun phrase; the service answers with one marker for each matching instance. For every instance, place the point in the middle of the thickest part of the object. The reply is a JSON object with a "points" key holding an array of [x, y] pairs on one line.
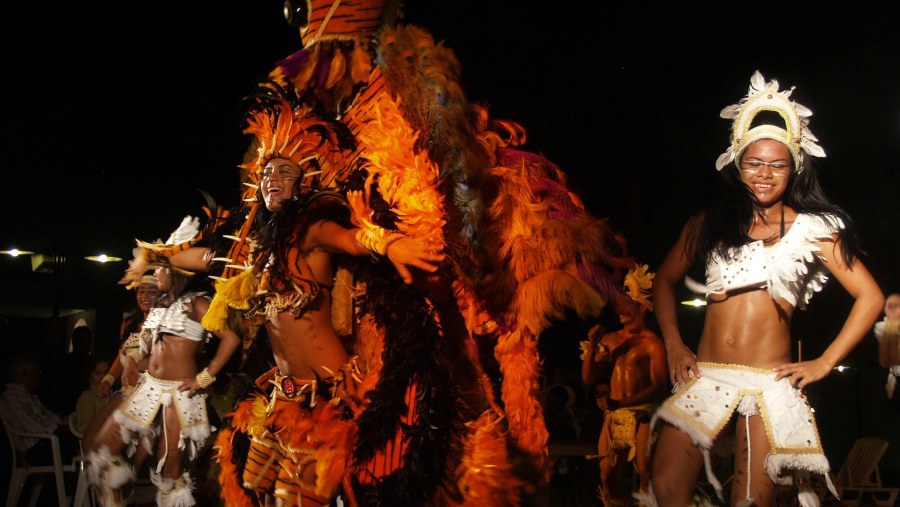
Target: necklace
{"points": [[757, 220], [782, 222]]}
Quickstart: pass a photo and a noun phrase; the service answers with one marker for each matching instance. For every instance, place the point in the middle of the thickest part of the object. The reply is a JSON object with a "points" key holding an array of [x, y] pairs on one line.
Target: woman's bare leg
{"points": [[103, 415], [762, 489], [676, 464], [167, 444]]}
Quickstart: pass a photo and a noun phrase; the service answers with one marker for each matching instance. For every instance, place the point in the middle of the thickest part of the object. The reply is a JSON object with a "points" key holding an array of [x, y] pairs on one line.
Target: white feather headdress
{"points": [[765, 96]]}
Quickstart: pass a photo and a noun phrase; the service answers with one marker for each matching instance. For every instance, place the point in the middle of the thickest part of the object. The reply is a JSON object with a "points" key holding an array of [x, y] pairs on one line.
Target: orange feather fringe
{"points": [[520, 362], [232, 493], [485, 476]]}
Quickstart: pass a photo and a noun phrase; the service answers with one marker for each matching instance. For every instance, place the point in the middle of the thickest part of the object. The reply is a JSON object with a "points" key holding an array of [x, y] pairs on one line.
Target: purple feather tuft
{"points": [[324, 66], [293, 64]]}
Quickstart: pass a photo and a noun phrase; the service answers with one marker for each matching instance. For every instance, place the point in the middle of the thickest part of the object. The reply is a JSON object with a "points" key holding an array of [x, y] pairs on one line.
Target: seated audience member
{"points": [[22, 411], [887, 331], [91, 399]]}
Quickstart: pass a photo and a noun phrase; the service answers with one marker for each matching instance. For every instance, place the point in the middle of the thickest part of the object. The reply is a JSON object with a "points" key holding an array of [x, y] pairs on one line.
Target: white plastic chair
{"points": [[21, 469], [860, 475], [84, 494]]}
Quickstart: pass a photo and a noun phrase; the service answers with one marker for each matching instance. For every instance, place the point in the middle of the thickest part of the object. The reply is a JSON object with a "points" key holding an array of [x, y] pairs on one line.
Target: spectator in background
{"points": [[22, 411], [93, 398], [558, 414], [77, 356], [52, 350], [887, 332]]}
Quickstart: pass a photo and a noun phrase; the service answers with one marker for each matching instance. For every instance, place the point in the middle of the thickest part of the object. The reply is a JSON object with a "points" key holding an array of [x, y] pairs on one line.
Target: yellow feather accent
{"points": [[249, 415], [216, 318], [234, 292], [257, 419], [237, 290]]}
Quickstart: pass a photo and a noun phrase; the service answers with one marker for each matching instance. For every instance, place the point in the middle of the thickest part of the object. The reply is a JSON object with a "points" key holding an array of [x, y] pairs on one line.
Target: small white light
{"points": [[103, 258], [15, 252], [696, 302], [840, 368]]}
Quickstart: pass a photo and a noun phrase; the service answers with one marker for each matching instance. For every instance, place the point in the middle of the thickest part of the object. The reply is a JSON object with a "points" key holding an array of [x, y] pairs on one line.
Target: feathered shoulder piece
{"points": [[765, 96]]}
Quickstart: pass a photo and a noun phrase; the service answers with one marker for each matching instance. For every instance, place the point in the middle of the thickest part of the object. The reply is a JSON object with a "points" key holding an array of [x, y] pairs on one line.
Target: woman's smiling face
{"points": [[279, 178], [766, 168]]}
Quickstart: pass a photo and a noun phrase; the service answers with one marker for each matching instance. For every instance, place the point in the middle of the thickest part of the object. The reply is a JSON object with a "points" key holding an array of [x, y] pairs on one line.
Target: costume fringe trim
{"points": [[174, 492], [777, 463], [108, 470], [647, 499]]}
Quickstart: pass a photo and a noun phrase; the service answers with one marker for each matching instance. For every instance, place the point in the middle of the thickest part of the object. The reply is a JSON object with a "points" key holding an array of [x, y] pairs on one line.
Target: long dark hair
{"points": [[725, 223], [181, 283]]}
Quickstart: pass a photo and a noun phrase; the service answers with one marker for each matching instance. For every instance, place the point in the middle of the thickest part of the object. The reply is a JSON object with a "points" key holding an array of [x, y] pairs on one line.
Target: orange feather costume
{"points": [[522, 253]]}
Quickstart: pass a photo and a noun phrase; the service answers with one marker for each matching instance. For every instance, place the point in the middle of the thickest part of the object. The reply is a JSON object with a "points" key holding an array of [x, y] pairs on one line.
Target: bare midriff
{"points": [[307, 347], [748, 328], [174, 358]]}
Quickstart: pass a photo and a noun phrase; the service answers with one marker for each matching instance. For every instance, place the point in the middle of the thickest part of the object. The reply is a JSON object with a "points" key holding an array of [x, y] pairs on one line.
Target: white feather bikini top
{"points": [[787, 268], [174, 319]]}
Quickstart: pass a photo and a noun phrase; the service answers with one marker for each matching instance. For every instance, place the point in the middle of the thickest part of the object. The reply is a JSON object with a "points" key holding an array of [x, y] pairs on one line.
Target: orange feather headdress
{"points": [[296, 134]]}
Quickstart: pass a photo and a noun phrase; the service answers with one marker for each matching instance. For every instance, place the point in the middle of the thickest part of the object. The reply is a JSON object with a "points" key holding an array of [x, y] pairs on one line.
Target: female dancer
{"points": [[769, 243], [169, 400]]}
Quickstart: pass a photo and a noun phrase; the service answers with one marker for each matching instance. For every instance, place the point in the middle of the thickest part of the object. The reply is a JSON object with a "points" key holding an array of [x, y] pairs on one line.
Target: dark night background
{"points": [[116, 113]]}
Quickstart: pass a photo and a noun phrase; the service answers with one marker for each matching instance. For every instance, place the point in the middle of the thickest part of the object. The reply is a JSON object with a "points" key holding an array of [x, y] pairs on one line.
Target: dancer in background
{"points": [[125, 371], [632, 361], [169, 402]]}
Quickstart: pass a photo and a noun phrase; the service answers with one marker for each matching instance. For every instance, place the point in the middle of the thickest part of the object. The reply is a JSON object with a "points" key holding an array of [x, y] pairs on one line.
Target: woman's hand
{"points": [[681, 361], [192, 386], [360, 206], [411, 252], [130, 373], [803, 373]]}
